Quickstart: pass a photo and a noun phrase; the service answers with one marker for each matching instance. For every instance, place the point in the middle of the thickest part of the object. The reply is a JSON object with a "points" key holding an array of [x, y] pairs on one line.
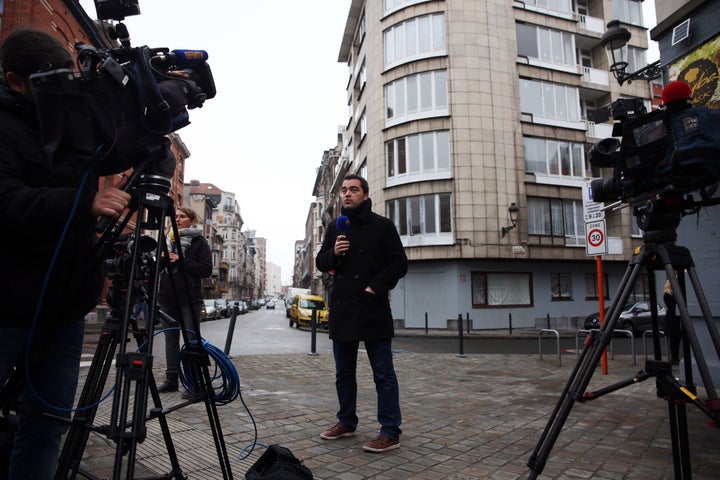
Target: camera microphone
{"points": [[343, 226], [184, 58], [676, 95]]}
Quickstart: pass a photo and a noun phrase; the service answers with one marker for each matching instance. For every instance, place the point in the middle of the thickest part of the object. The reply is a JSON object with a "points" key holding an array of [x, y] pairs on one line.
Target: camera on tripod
{"points": [[675, 149], [117, 265], [118, 108]]}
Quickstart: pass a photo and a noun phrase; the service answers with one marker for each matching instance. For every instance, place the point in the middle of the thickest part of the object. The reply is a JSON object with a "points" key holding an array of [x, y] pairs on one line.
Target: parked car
{"points": [[302, 309], [221, 305], [270, 305], [211, 312], [288, 307], [635, 316], [241, 306]]}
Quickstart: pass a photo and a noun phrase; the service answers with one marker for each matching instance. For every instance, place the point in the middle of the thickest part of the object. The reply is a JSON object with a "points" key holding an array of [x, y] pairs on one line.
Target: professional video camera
{"points": [[117, 109], [117, 265], [672, 150]]}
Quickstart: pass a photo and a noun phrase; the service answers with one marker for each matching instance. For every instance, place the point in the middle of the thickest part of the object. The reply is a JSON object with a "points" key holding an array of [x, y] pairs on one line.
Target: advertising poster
{"points": [[701, 69]]}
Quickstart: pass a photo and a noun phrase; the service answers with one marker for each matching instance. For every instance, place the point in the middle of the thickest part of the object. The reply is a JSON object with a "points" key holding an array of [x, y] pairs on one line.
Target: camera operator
{"points": [[51, 279]]}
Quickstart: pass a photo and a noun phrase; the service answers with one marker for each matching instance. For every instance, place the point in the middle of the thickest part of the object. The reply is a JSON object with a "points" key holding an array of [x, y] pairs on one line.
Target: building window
{"points": [[425, 156], [550, 101], [225, 234], [556, 217], [423, 95], [636, 59], [560, 286], [422, 219], [547, 47], [591, 287], [501, 289], [554, 158], [416, 38], [393, 5], [563, 6], [628, 11]]}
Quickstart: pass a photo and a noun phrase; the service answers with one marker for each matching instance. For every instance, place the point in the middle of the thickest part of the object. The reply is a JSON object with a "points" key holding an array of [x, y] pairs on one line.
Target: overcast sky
{"points": [[280, 99]]}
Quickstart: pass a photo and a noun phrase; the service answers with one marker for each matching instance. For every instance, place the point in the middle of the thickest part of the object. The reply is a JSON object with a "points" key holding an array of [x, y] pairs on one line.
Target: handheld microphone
{"points": [[343, 226], [184, 58]]}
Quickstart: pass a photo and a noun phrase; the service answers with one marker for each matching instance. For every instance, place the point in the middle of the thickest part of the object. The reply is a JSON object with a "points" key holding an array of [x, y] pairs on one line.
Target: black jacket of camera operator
{"points": [[198, 265], [36, 198]]}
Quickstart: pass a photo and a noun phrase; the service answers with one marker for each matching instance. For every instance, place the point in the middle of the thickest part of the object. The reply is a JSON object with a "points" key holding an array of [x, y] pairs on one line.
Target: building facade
{"points": [[462, 111]]}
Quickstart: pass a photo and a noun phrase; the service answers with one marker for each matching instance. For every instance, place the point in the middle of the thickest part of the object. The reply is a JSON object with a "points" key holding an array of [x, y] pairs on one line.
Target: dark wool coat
{"points": [[37, 193], [198, 264], [376, 259]]}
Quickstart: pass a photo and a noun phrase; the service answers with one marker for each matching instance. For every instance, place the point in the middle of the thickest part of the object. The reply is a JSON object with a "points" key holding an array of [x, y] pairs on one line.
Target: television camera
{"points": [[118, 108], [671, 151]]}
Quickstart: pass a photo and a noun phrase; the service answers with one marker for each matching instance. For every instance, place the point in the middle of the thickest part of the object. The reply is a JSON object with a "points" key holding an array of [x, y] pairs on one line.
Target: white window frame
{"points": [[416, 212], [405, 100], [414, 39], [426, 147]]}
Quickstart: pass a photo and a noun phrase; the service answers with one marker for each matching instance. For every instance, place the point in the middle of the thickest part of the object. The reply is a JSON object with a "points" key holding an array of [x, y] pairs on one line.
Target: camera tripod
{"points": [[134, 379], [658, 252]]}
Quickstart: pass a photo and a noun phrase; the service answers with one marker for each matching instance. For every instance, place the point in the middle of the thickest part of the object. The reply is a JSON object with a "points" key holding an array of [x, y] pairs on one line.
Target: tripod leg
{"points": [[584, 369], [88, 403], [688, 330], [705, 308]]}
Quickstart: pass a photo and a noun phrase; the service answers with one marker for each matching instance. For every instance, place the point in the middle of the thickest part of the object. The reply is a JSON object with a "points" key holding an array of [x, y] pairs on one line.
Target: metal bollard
{"points": [[426, 324], [313, 333], [460, 335], [231, 328], [510, 323]]}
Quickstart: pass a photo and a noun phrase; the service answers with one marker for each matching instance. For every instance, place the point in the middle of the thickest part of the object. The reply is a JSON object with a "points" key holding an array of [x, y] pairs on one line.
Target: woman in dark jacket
{"points": [[172, 295], [367, 260]]}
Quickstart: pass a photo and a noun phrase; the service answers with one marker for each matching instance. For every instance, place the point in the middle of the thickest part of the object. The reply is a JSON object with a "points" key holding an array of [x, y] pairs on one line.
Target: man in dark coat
{"points": [[367, 260], [51, 278]]}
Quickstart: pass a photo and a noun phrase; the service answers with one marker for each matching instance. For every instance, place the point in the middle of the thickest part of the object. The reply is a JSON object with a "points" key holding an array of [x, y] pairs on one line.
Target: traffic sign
{"points": [[592, 211], [595, 238]]}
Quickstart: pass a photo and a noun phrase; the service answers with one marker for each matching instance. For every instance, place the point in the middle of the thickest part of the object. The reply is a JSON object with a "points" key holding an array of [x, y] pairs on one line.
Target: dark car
{"points": [[635, 316]]}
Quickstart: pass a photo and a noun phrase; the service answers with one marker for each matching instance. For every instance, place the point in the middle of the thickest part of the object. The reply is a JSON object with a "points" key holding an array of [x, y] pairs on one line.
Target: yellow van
{"points": [[302, 309]]}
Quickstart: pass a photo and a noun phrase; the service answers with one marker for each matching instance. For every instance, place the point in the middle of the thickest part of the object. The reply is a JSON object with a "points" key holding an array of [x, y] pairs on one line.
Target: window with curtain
{"points": [[560, 286], [415, 38], [496, 289], [554, 157], [557, 217]]}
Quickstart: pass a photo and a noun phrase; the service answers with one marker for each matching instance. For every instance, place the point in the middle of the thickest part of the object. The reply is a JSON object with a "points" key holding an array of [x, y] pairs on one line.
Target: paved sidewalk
{"points": [[475, 417]]}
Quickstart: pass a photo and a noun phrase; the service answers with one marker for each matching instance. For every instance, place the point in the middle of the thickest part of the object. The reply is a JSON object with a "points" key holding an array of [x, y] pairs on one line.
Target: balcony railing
{"points": [[597, 76], [591, 24]]}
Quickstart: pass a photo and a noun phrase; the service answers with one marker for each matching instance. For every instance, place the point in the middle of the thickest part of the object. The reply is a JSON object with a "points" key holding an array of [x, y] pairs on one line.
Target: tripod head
{"points": [[659, 217]]}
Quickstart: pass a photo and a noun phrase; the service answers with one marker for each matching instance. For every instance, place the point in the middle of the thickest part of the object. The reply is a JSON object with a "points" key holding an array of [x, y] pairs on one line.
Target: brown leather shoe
{"points": [[336, 431], [380, 444]]}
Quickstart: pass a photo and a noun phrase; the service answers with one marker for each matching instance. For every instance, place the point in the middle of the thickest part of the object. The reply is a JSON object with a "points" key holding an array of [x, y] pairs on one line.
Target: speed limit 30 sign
{"points": [[595, 238]]}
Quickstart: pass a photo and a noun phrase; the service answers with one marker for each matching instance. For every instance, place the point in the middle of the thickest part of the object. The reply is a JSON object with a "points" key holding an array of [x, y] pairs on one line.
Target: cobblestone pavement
{"points": [[471, 417]]}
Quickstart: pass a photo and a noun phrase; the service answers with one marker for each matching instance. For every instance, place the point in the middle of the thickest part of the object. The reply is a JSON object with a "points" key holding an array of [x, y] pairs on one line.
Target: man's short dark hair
{"points": [[26, 51], [363, 183]]}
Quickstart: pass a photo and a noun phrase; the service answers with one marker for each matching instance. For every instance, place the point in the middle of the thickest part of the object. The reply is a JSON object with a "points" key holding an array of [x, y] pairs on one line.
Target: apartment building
{"points": [[472, 121]]}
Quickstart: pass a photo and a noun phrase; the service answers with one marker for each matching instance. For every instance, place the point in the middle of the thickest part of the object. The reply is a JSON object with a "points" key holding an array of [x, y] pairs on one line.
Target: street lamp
{"points": [[615, 40], [513, 210]]}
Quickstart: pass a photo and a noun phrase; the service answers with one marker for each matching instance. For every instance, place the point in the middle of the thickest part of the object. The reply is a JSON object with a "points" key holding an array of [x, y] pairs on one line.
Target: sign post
{"points": [[596, 245]]}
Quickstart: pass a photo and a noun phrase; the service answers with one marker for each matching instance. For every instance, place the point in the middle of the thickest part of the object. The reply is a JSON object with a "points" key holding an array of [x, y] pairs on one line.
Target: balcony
{"points": [[599, 130], [595, 76], [591, 24]]}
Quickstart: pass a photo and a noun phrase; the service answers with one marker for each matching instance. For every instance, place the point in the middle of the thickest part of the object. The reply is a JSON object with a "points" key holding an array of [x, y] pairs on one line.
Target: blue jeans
{"points": [[38, 440], [386, 385]]}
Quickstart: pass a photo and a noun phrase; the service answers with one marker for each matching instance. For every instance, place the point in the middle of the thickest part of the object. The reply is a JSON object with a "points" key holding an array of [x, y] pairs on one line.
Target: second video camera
{"points": [[673, 149]]}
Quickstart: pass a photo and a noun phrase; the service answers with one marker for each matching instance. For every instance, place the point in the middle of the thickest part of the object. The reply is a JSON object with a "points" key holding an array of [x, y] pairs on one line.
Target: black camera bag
{"points": [[278, 463]]}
